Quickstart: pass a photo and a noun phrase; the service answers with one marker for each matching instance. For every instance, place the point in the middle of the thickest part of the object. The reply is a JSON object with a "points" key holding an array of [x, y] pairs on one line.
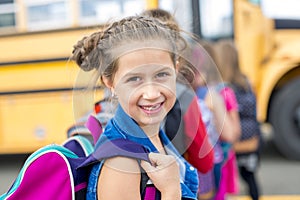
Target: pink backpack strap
{"points": [[151, 193], [94, 127]]}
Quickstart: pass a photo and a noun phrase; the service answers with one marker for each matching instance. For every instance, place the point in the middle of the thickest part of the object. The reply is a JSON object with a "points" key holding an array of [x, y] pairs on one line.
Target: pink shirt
{"points": [[229, 98]]}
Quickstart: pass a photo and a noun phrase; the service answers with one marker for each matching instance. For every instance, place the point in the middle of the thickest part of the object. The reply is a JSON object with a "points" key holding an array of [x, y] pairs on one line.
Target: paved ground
{"points": [[279, 178]]}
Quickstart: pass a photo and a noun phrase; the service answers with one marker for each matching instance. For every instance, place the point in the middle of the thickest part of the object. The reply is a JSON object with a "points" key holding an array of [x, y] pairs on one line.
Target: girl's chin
{"points": [[153, 121]]}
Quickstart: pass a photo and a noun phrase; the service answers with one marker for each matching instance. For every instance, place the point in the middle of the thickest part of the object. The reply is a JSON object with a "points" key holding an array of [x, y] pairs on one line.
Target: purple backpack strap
{"points": [[125, 148], [94, 127], [118, 147]]}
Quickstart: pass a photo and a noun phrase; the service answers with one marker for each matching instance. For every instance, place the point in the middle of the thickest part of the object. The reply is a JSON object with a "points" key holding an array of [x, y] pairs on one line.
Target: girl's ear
{"points": [[177, 66], [107, 82]]}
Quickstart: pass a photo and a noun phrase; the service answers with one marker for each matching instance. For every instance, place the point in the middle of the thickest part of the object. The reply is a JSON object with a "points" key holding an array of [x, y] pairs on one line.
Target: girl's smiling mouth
{"points": [[152, 109]]}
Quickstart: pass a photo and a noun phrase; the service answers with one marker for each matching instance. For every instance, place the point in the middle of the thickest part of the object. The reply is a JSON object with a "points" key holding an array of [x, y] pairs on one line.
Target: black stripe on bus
{"points": [[287, 24], [47, 90], [46, 32], [34, 61]]}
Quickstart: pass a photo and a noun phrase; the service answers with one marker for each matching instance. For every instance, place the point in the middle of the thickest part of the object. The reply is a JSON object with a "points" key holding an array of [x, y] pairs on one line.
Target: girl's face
{"points": [[145, 84]]}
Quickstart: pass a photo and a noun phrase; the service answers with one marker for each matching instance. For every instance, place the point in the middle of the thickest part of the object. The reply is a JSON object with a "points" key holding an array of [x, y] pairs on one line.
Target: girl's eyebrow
{"points": [[160, 68], [131, 74], [140, 73], [165, 67]]}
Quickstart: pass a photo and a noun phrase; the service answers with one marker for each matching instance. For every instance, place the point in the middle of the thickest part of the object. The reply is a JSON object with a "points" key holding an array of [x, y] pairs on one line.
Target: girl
{"points": [[229, 173], [220, 99], [213, 113], [248, 146], [136, 59]]}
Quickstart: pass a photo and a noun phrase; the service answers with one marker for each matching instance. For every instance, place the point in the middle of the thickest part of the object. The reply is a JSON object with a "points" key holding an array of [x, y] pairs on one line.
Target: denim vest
{"points": [[122, 126]]}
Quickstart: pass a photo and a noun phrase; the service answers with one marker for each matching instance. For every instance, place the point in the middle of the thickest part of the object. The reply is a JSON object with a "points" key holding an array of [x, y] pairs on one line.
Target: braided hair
{"points": [[101, 50]]}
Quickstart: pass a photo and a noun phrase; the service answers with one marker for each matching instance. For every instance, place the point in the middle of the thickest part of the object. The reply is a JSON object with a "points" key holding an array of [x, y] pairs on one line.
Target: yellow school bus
{"points": [[42, 93]]}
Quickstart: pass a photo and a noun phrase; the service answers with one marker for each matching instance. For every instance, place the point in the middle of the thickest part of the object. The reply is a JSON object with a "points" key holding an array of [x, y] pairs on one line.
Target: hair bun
{"points": [[83, 48]]}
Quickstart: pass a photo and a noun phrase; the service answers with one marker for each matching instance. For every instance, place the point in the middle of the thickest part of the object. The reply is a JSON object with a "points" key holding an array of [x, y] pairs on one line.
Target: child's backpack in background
{"points": [[92, 125]]}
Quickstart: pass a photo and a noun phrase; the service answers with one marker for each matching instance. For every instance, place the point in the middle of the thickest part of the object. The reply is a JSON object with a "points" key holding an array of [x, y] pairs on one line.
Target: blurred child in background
{"points": [[247, 148], [220, 99]]}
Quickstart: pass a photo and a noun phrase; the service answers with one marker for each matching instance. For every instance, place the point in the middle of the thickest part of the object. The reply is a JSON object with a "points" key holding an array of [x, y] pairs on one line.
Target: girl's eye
{"points": [[134, 79], [162, 74]]}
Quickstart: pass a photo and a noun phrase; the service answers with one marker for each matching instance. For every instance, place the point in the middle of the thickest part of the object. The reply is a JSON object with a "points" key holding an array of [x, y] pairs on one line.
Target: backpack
{"points": [[50, 173], [61, 171], [174, 123]]}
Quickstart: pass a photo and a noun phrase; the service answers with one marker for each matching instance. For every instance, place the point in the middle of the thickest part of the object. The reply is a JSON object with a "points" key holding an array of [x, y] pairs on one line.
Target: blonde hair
{"points": [[228, 64]]}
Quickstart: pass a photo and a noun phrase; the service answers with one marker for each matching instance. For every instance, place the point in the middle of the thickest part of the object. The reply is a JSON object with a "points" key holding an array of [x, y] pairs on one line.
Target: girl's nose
{"points": [[151, 91]]}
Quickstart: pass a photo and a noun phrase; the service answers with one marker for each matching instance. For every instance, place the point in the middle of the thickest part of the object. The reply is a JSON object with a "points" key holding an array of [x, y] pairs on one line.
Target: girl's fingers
{"points": [[147, 166]]}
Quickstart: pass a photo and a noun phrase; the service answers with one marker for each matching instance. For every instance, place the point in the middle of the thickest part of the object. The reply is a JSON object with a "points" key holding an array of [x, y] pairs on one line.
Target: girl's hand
{"points": [[164, 173]]}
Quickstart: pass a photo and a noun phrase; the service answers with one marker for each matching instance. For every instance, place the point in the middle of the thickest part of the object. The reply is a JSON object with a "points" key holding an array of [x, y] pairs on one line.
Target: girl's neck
{"points": [[153, 134], [151, 130], [157, 143]]}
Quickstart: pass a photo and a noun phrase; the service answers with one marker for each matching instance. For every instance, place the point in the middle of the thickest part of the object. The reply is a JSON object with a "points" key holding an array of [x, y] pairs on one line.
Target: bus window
{"points": [[48, 14], [216, 19], [7, 14], [278, 9], [182, 11], [101, 11]]}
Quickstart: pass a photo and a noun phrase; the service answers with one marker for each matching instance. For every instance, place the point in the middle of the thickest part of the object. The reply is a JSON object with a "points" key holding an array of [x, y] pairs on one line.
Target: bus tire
{"points": [[285, 118]]}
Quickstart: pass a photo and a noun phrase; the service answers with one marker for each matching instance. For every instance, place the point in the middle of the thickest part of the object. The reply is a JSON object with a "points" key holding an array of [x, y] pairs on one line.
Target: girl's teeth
{"points": [[151, 108]]}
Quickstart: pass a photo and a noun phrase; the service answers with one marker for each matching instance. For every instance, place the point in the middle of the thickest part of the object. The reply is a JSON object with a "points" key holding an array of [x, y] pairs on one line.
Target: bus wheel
{"points": [[285, 118]]}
